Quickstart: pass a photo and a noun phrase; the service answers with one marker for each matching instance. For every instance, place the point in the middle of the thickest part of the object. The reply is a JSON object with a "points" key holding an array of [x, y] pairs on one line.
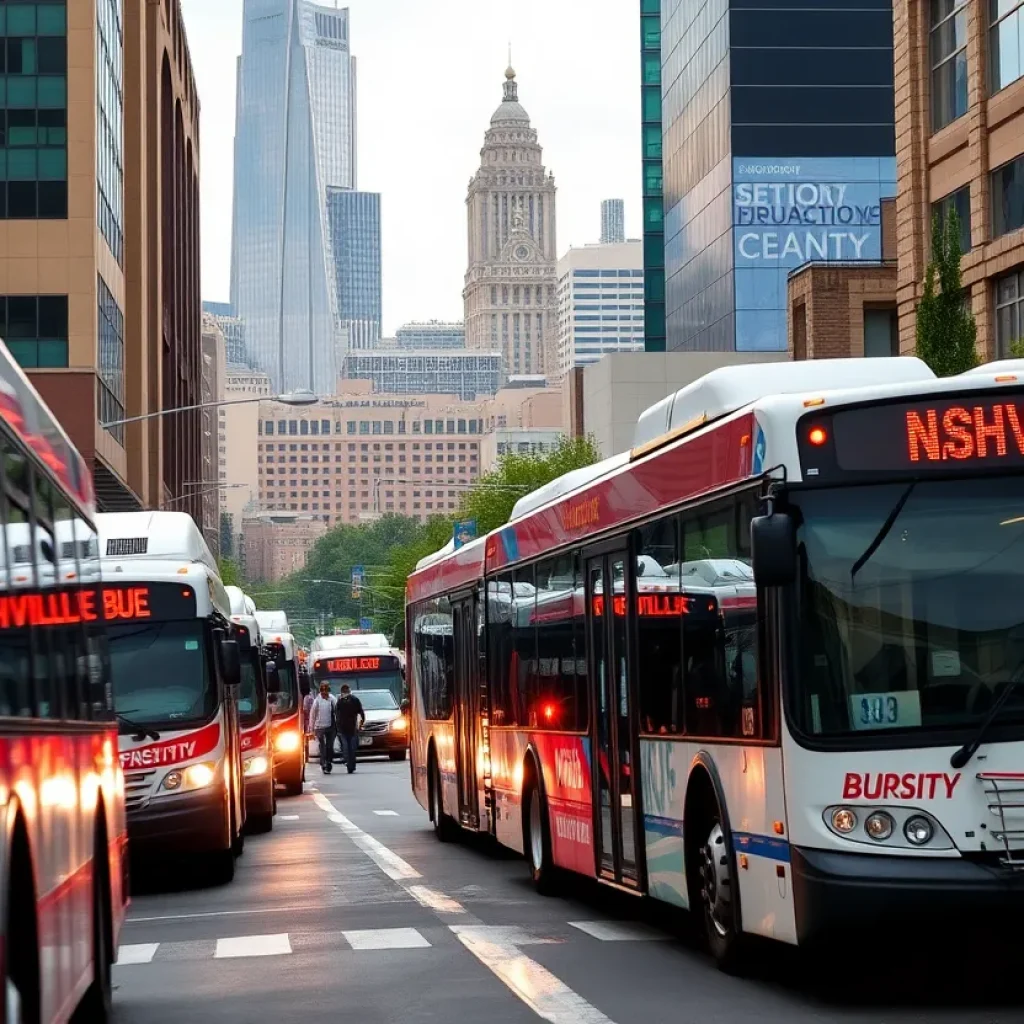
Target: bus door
{"points": [[467, 707], [616, 803]]}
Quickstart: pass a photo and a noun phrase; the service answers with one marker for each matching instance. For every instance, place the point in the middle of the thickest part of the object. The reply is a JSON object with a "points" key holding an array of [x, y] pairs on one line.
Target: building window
{"points": [[881, 334], [1008, 197], [960, 200], [110, 126], [35, 328], [33, 114], [1009, 312], [1006, 42], [110, 336], [949, 61]]}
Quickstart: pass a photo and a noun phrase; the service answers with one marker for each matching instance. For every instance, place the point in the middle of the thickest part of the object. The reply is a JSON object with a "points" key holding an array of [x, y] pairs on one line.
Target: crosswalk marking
{"points": [[618, 931], [287, 817], [252, 945], [386, 938], [386, 814], [138, 953]]}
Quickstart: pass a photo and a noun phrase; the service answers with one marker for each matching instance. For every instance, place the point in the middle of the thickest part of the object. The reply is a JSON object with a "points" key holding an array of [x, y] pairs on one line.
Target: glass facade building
{"points": [[779, 147], [295, 139], [110, 126], [652, 148], [354, 226]]}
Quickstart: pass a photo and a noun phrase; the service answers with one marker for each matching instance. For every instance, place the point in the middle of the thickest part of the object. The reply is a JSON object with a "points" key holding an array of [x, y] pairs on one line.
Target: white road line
{"points": [[434, 900], [137, 953], [619, 931], [287, 817], [253, 945], [390, 863], [544, 993], [386, 938], [217, 913], [386, 814]]}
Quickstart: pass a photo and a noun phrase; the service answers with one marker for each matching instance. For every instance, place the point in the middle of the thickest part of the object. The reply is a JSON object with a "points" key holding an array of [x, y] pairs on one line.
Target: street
{"points": [[352, 910]]}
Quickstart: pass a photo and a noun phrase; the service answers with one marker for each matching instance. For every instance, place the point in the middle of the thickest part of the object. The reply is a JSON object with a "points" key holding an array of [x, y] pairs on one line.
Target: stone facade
{"points": [[510, 288], [963, 153]]}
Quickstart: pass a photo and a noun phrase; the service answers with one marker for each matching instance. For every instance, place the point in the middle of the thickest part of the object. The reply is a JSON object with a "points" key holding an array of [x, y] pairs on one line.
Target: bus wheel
{"points": [[398, 755], [260, 824], [718, 899], [444, 827], [538, 843], [222, 866], [97, 1002], [20, 949]]}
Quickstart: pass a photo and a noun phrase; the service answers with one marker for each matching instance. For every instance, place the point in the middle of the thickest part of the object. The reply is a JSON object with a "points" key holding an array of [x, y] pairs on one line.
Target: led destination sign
{"points": [[125, 603], [339, 666], [967, 433]]}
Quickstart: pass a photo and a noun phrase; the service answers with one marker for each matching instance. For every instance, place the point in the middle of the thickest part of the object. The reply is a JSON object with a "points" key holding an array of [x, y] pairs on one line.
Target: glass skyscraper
{"points": [[295, 142], [354, 223], [779, 148]]}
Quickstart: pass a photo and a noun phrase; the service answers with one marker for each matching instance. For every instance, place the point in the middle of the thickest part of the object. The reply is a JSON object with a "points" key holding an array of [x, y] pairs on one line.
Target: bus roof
{"points": [[275, 620], [338, 641], [712, 448], [29, 418]]}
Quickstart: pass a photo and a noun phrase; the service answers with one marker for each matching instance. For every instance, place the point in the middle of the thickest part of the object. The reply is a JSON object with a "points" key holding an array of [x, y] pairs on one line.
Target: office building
{"points": [[431, 335], [354, 226], [778, 150], [213, 390], [363, 454], [960, 145], [534, 442], [99, 236], [466, 373], [234, 332], [613, 221], [600, 303], [277, 544], [295, 139], [651, 151], [509, 292]]}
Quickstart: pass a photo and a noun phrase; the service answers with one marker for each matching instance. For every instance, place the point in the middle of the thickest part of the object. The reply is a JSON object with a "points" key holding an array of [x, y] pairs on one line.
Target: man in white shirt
{"points": [[321, 722]]}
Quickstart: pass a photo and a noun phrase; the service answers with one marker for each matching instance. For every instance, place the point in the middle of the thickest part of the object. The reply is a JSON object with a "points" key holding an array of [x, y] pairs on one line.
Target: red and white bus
{"points": [[286, 701], [176, 673], [810, 658], [63, 858]]}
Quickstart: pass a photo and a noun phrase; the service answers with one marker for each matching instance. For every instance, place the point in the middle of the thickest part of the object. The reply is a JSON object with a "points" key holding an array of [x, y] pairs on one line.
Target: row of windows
{"points": [[377, 446], [684, 625], [35, 328], [948, 45], [607, 273], [110, 334], [110, 126], [1007, 188], [321, 427]]}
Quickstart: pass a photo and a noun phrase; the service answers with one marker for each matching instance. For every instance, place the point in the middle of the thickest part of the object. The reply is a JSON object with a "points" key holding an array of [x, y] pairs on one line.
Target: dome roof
{"points": [[511, 112]]}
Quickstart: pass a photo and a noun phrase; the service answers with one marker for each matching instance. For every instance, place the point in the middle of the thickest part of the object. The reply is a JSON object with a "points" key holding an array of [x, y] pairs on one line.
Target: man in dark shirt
{"points": [[350, 718]]}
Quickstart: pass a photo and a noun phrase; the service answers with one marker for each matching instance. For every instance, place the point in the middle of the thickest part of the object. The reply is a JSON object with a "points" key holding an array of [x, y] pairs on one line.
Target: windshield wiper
{"points": [[143, 731], [970, 748], [883, 532]]}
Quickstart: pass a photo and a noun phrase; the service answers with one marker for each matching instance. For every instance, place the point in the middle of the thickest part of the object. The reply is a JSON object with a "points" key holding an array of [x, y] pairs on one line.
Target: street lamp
{"points": [[298, 397]]}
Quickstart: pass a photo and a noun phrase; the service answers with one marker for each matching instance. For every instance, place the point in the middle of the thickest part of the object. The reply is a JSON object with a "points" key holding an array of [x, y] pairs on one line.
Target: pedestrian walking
{"points": [[349, 718], [321, 721]]}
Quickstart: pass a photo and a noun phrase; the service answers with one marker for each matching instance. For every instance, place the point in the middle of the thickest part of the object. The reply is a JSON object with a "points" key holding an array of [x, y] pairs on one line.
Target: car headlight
{"points": [[287, 741], [254, 766], [400, 724], [195, 776]]}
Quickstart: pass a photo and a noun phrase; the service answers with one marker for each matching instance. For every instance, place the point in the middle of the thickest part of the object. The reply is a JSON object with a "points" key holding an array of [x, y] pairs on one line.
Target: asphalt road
{"points": [[351, 910]]}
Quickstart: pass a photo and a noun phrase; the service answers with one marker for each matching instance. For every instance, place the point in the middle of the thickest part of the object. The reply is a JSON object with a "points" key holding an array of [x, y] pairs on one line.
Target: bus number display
{"points": [[339, 666], [125, 603]]}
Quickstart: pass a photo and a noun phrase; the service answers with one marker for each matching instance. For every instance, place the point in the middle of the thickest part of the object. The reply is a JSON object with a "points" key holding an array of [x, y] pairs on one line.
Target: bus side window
{"points": [[500, 648], [50, 663], [15, 652]]}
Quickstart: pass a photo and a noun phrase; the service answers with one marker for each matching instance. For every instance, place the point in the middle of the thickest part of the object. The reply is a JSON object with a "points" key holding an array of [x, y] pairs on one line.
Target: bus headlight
{"points": [[195, 776], [878, 826], [255, 766], [400, 724], [844, 820], [287, 741], [918, 830]]}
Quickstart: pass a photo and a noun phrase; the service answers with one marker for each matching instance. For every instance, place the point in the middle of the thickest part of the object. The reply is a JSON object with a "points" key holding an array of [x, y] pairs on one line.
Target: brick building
{"points": [[277, 545], [960, 144]]}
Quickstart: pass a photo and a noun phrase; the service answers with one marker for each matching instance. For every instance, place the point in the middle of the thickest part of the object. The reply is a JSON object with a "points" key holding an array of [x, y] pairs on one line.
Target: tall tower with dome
{"points": [[510, 297]]}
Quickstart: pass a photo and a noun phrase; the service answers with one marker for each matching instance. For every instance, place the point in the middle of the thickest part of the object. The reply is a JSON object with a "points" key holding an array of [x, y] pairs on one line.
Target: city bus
{"points": [[253, 715], [176, 673], [63, 847], [376, 666], [810, 657], [286, 701]]}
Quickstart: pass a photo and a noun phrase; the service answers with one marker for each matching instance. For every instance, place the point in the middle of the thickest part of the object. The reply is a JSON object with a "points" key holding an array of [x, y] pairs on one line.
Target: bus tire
{"points": [[97, 1003], [537, 841], [21, 937], [444, 827], [398, 755], [222, 866], [260, 824], [714, 880]]}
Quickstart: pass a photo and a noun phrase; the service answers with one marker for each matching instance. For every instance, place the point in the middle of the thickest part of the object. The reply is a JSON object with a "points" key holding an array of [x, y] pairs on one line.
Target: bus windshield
{"points": [[251, 695], [284, 683], [161, 675], [391, 680], [921, 630]]}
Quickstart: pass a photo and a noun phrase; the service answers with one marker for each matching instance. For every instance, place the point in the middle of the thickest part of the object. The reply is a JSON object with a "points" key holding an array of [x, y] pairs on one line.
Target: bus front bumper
{"points": [[838, 892], [194, 822]]}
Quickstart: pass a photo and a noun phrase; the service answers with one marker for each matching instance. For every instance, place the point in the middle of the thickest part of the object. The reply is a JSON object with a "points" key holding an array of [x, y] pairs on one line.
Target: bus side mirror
{"points": [[773, 549], [230, 663]]}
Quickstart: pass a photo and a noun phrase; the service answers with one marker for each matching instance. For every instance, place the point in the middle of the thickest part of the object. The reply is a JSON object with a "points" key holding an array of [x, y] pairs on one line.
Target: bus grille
{"points": [[136, 790]]}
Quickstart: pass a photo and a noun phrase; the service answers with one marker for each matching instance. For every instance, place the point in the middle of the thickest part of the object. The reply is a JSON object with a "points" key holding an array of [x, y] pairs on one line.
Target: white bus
{"points": [[176, 675], [254, 715], [286, 701], [836, 747]]}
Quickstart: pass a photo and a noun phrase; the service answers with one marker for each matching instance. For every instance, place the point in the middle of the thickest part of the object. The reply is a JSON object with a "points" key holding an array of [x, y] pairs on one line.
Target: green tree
{"points": [[230, 574], [946, 332], [227, 535]]}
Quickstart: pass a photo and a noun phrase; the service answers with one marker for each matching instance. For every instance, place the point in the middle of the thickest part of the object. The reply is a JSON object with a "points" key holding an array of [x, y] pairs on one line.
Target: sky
{"points": [[429, 76]]}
